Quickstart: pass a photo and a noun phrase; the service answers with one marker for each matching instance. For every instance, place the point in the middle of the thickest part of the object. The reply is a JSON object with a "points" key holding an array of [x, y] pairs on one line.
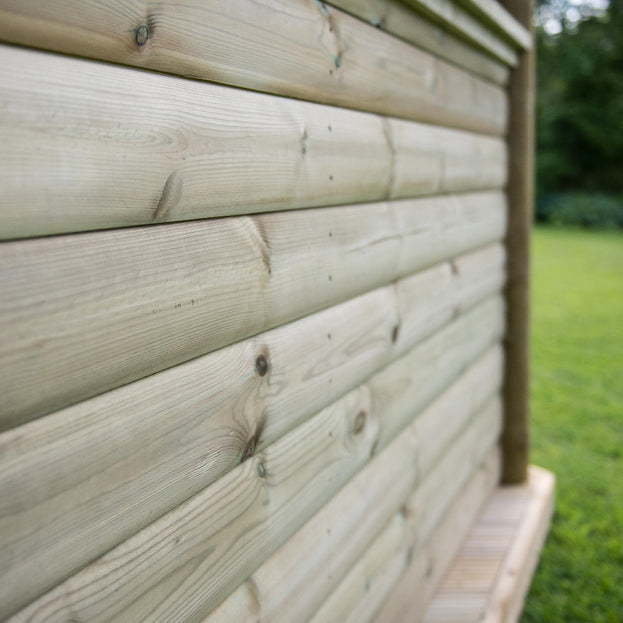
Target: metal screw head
{"points": [[261, 365], [142, 34]]}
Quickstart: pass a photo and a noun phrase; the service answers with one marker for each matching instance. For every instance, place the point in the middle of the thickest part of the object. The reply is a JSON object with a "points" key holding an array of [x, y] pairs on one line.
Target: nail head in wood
{"points": [[261, 470]]}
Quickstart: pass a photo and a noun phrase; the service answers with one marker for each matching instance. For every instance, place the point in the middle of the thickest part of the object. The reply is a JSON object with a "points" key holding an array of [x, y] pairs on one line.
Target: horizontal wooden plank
{"points": [[409, 598], [188, 561], [83, 314], [66, 495], [96, 146], [395, 387], [296, 48], [399, 20], [189, 557], [489, 577], [361, 592], [299, 576], [494, 14], [454, 17], [473, 439]]}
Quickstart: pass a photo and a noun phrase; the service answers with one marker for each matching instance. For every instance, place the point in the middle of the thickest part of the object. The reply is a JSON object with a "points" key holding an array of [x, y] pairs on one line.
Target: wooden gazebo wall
{"points": [[252, 310]]}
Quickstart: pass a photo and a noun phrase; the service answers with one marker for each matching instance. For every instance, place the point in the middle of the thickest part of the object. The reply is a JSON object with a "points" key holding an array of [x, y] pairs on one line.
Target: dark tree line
{"points": [[580, 109]]}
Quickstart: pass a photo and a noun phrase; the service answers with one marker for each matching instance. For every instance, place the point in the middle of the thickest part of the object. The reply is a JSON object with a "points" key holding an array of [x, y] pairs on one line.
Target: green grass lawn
{"points": [[577, 422]]}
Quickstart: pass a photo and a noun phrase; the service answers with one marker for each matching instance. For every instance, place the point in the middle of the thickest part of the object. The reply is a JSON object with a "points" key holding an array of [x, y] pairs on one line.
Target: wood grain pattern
{"points": [[96, 146], [409, 598], [401, 21], [83, 314], [298, 578], [297, 48], [396, 387], [301, 574], [361, 593], [455, 18], [78, 482], [188, 561]]}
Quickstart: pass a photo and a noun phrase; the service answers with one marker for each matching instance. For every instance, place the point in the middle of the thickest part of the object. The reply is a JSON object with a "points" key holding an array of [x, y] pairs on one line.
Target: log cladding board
{"points": [[46, 543], [283, 589], [185, 563], [398, 19], [409, 598], [89, 146], [464, 24], [498, 18], [86, 313], [296, 48], [361, 593], [124, 458]]}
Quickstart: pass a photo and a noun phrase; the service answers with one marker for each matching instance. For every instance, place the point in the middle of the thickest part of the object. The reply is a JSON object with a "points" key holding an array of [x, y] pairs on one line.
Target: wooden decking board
{"points": [[489, 577]]}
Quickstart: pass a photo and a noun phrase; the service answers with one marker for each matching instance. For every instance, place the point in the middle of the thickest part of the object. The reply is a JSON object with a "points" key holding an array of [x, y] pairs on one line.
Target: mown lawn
{"points": [[577, 422]]}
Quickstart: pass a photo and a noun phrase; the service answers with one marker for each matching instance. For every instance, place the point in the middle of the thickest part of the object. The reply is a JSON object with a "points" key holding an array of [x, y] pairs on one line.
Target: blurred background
{"points": [[580, 112], [577, 294]]}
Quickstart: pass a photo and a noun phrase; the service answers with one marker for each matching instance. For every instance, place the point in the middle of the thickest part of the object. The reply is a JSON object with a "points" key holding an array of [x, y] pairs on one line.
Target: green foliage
{"points": [[577, 423], [580, 106], [595, 211]]}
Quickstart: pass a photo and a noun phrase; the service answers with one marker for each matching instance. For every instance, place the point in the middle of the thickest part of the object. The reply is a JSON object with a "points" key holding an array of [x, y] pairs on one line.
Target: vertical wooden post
{"points": [[515, 436]]}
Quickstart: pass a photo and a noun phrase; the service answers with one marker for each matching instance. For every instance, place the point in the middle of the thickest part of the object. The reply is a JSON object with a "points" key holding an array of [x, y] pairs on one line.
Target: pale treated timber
{"points": [[507, 599], [502, 19], [189, 560], [489, 577], [296, 48], [96, 146], [365, 588], [45, 548], [461, 23], [83, 314], [393, 391], [66, 496], [516, 436], [408, 599], [285, 588], [299, 576], [396, 18]]}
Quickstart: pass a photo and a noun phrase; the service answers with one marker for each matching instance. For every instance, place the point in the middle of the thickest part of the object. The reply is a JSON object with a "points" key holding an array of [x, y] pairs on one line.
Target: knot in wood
{"points": [[261, 365], [395, 331], [360, 422], [249, 449], [261, 470], [142, 34]]}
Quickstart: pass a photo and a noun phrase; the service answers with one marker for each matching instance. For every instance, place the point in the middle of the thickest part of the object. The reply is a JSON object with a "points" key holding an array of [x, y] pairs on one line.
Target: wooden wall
{"points": [[251, 309]]}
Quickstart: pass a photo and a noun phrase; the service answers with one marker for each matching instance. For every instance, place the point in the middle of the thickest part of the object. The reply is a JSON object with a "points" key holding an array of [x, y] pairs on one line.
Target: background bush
{"points": [[592, 210]]}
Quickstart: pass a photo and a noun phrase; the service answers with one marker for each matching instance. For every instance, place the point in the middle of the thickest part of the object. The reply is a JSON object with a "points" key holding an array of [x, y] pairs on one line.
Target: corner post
{"points": [[516, 390]]}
